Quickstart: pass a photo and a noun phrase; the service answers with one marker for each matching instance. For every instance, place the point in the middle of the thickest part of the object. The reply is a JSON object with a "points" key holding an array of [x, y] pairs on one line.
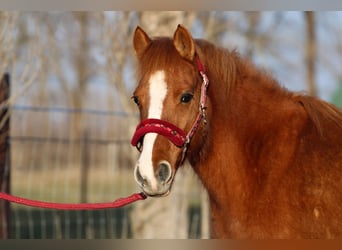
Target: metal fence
{"points": [[49, 162]]}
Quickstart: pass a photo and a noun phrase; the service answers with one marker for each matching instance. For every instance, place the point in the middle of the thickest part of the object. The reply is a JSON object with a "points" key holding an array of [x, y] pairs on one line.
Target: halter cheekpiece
{"points": [[176, 135]]}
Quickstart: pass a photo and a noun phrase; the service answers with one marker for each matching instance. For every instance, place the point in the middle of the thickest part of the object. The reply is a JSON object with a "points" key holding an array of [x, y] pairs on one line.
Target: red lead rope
{"points": [[70, 206]]}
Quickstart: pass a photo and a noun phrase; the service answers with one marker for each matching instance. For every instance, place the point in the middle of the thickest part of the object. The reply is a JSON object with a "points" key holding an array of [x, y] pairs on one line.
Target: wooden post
{"points": [[85, 167], [311, 52], [85, 161], [4, 156]]}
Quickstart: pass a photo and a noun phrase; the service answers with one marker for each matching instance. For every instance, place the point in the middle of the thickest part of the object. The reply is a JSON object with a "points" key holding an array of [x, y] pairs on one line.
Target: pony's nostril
{"points": [[139, 177], [164, 171]]}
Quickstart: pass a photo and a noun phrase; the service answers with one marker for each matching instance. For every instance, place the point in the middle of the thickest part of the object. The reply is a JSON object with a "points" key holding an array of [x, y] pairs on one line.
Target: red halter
{"points": [[176, 135]]}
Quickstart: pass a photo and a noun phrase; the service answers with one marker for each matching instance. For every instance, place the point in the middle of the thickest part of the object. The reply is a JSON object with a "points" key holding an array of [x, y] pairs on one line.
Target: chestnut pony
{"points": [[270, 159]]}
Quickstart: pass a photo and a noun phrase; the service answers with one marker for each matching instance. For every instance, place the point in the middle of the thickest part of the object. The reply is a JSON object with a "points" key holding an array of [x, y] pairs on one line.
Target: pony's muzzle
{"points": [[157, 185]]}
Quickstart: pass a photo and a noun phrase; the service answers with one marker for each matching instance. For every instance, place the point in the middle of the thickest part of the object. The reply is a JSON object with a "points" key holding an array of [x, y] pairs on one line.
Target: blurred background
{"points": [[68, 119]]}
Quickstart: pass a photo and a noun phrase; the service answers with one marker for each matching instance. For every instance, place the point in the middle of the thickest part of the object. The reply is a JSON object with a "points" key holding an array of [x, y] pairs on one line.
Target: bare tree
{"points": [[165, 217], [116, 39], [20, 53], [81, 61], [118, 69], [7, 24]]}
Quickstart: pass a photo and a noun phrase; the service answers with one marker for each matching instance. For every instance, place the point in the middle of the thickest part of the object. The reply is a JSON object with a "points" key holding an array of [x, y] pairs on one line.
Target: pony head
{"points": [[171, 97]]}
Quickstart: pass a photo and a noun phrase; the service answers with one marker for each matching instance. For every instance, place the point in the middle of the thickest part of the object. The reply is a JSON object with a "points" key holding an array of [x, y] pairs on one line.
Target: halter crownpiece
{"points": [[176, 135]]}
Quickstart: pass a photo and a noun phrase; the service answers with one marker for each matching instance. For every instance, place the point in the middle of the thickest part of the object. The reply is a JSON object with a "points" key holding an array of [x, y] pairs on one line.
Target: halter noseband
{"points": [[176, 135]]}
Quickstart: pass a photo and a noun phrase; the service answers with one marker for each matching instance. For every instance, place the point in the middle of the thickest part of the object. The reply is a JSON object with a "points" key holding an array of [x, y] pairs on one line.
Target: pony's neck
{"points": [[239, 116]]}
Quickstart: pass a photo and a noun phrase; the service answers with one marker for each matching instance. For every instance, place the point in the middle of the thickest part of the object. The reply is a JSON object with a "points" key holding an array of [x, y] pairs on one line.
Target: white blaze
{"points": [[157, 94]]}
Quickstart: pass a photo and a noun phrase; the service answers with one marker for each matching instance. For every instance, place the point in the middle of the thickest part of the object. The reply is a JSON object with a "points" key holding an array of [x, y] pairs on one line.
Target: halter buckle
{"points": [[204, 114]]}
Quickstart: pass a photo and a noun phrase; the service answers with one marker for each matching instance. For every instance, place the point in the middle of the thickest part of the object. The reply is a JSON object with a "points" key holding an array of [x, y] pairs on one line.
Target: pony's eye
{"points": [[186, 97], [136, 100]]}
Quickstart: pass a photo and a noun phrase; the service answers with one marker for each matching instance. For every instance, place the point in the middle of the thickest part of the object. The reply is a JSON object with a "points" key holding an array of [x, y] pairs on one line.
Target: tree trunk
{"points": [[311, 52], [164, 217], [4, 157], [81, 66]]}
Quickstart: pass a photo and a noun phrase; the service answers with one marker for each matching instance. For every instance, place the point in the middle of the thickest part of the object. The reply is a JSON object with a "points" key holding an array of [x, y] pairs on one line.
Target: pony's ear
{"points": [[184, 43], [140, 41]]}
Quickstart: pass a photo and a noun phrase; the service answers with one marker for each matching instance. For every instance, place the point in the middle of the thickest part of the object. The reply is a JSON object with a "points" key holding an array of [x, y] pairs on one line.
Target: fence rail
{"points": [[73, 110], [67, 140]]}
